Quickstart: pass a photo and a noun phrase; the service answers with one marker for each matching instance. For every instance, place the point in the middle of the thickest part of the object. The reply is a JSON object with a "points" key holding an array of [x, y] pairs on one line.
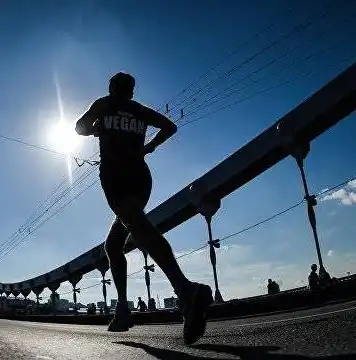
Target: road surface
{"points": [[325, 333]]}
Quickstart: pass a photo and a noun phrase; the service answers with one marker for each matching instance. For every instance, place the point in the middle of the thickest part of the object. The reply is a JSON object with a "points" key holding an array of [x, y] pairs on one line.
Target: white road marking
{"points": [[297, 317]]}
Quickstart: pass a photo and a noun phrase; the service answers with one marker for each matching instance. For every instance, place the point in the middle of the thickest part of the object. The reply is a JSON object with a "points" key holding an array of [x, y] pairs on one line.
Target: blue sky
{"points": [[166, 47]]}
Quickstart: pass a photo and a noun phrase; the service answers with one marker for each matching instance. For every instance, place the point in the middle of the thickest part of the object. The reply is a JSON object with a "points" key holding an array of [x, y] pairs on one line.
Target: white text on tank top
{"points": [[125, 122]]}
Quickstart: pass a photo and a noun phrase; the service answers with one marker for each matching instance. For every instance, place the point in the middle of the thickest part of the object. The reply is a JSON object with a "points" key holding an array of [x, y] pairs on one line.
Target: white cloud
{"points": [[330, 253], [346, 195], [352, 184]]}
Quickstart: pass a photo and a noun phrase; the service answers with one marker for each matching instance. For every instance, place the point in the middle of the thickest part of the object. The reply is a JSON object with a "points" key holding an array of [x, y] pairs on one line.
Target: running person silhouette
{"points": [[121, 124]]}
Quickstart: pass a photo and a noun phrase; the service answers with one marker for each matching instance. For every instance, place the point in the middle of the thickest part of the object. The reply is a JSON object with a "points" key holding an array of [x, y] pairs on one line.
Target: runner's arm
{"points": [[157, 120], [85, 125]]}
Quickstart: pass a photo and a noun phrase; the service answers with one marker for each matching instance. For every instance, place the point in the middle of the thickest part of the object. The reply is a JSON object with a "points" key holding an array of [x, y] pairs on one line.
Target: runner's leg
{"points": [[129, 207], [147, 237], [194, 298], [114, 245]]}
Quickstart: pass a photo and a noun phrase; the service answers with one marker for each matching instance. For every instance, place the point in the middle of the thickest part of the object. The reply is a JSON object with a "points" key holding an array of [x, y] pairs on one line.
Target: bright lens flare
{"points": [[63, 136]]}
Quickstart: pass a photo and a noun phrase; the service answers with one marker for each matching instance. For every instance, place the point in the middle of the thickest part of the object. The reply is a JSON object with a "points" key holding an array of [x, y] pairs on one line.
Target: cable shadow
{"points": [[243, 352]]}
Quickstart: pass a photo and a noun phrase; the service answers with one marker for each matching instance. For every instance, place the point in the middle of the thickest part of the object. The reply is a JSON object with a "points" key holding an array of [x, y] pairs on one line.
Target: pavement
{"points": [[324, 333]]}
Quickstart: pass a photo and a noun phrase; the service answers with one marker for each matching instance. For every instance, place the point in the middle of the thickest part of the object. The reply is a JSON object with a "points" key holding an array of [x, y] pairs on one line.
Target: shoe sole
{"points": [[123, 329], [202, 298], [117, 328]]}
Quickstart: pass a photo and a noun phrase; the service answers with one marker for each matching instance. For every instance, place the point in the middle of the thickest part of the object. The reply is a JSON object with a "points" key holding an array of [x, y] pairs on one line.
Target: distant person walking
{"points": [[152, 304], [313, 278], [141, 305], [272, 287]]}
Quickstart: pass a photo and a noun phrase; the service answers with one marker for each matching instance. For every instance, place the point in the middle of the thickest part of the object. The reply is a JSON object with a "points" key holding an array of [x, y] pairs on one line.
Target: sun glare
{"points": [[63, 136]]}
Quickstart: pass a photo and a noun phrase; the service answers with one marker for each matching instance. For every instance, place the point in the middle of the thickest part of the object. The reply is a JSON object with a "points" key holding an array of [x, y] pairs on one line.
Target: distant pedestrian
{"points": [[152, 304], [324, 278], [313, 279], [141, 305], [272, 287]]}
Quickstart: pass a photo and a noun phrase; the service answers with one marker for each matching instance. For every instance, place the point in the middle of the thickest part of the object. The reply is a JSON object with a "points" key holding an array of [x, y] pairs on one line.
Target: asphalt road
{"points": [[325, 333]]}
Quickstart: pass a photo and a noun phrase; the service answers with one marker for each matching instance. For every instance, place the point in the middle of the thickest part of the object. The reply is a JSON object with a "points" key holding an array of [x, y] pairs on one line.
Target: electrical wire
{"points": [[247, 228], [241, 46], [260, 92], [28, 227], [336, 186], [40, 147], [223, 94], [295, 30], [8, 250]]}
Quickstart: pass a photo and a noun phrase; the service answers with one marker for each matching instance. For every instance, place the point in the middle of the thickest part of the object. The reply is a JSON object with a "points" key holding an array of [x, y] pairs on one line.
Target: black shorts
{"points": [[122, 180]]}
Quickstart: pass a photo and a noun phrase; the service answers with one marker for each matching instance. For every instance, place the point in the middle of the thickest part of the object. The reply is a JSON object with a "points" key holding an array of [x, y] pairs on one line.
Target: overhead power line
{"points": [[336, 186], [31, 223], [257, 93], [296, 61], [26, 235], [247, 228], [240, 47], [295, 30], [266, 219], [43, 148]]}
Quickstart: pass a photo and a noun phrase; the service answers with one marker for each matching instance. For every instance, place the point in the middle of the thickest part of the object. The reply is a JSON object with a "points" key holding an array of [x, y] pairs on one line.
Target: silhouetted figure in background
{"points": [[152, 305], [141, 305], [272, 287], [121, 124], [325, 278], [313, 279], [91, 310]]}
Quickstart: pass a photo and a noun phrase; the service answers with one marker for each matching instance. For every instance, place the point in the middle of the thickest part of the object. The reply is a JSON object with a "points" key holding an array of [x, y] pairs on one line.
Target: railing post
{"points": [[103, 266], [37, 290], [147, 269], [74, 279], [105, 282], [299, 149], [54, 287], [208, 208]]}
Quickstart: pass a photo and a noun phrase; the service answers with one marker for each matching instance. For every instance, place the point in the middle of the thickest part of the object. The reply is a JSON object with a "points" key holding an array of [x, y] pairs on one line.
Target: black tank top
{"points": [[122, 130]]}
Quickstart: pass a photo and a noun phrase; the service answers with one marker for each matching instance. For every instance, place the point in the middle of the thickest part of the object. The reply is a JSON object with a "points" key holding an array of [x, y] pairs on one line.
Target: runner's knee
{"points": [[115, 240]]}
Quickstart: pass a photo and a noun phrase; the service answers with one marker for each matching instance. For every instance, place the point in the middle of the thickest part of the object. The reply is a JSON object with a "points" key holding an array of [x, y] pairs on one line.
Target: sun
{"points": [[63, 136]]}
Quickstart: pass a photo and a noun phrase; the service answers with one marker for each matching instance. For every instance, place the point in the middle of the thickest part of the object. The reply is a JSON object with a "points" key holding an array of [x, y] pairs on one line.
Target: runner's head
{"points": [[122, 84], [314, 267]]}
